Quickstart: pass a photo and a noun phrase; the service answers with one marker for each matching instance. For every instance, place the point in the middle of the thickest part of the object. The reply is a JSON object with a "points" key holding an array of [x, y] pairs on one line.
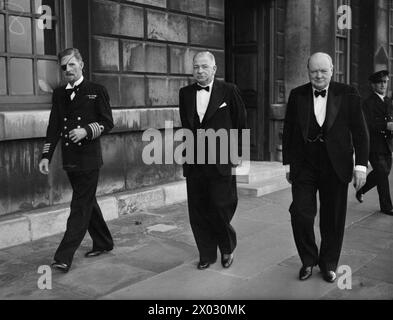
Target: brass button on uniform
{"points": [[79, 144], [66, 144], [79, 118], [78, 127], [65, 119]]}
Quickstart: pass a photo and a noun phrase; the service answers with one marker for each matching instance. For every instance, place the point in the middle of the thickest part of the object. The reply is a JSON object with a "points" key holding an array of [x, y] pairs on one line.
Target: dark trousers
{"points": [[85, 216], [317, 174], [212, 202], [379, 176]]}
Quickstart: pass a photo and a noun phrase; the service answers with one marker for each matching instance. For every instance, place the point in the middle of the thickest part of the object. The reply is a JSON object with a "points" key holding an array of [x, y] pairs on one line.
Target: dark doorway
{"points": [[247, 65]]}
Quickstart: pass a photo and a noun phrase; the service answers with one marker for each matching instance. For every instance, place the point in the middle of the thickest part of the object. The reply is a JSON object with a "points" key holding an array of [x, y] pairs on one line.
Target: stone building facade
{"points": [[142, 52]]}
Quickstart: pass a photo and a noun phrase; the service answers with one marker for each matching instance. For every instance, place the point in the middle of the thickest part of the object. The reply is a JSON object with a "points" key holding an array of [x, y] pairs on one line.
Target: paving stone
{"points": [[360, 238], [363, 288], [278, 283], [380, 268], [27, 289], [101, 277], [163, 254], [255, 253], [160, 228], [378, 222], [176, 284]]}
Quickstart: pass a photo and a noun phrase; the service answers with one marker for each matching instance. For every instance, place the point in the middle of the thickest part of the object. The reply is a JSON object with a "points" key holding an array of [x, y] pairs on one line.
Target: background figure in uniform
{"points": [[324, 123], [378, 110], [211, 188], [80, 115]]}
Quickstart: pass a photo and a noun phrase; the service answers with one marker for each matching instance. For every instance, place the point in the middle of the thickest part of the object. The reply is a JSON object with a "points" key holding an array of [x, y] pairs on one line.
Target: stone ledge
{"points": [[15, 125], [44, 222], [14, 231]]}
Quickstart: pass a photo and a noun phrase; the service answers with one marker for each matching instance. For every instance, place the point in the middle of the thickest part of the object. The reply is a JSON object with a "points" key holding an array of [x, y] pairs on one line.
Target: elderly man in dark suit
{"points": [[378, 110], [211, 188], [324, 125], [80, 115]]}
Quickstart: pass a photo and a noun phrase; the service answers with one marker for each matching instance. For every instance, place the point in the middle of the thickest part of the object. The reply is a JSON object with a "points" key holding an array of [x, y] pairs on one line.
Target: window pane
{"points": [[2, 36], [46, 39], [49, 3], [48, 76], [1, 4], [19, 5], [21, 75], [20, 34], [3, 86]]}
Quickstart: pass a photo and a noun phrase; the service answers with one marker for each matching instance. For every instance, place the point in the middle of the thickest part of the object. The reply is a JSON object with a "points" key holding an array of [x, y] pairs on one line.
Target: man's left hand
{"points": [[359, 179], [77, 135]]}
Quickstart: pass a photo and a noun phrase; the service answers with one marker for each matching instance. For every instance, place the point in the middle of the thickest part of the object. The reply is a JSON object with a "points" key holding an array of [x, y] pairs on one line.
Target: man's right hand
{"points": [[44, 166], [389, 126], [287, 175]]}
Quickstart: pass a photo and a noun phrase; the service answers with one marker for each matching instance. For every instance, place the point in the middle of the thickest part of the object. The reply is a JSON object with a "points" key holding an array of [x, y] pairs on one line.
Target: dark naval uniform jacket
{"points": [[378, 113], [90, 110]]}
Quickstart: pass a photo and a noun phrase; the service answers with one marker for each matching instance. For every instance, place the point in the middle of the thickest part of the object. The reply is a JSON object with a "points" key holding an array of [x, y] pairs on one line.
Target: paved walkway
{"points": [[155, 258]]}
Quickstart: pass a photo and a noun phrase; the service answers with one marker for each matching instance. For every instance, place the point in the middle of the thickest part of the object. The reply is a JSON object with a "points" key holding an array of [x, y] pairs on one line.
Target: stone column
{"points": [[381, 41], [297, 43]]}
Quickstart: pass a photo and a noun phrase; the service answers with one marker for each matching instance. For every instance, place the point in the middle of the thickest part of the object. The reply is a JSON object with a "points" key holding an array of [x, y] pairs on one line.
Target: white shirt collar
{"points": [[208, 85], [76, 83], [380, 95]]}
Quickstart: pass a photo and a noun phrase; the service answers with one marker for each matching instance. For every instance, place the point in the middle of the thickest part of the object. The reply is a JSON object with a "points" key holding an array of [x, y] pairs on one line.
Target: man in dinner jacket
{"points": [[323, 126], [211, 188]]}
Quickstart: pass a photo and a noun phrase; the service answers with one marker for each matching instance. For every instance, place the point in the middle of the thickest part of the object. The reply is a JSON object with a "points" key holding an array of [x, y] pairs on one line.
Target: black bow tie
{"points": [[321, 93], [71, 90], [203, 88]]}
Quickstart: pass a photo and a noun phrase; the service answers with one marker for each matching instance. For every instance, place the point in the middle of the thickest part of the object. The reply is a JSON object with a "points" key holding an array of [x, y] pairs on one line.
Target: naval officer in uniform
{"points": [[80, 115], [378, 110]]}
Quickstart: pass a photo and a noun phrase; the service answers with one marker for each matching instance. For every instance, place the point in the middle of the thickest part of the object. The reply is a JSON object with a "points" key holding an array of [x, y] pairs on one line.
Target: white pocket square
{"points": [[223, 105]]}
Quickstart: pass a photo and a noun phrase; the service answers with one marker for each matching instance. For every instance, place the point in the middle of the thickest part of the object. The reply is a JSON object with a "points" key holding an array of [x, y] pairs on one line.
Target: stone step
{"points": [[262, 170], [262, 187]]}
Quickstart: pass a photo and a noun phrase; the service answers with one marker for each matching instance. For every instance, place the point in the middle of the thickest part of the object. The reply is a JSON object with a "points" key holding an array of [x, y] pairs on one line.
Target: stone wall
{"points": [[142, 52]]}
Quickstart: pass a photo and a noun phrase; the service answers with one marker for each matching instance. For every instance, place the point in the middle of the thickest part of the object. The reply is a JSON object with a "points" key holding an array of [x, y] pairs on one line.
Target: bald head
{"points": [[205, 54], [320, 70], [204, 67]]}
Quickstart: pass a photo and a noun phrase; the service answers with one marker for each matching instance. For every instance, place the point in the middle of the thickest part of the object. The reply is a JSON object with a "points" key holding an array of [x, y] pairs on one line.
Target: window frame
{"points": [[346, 36], [61, 19]]}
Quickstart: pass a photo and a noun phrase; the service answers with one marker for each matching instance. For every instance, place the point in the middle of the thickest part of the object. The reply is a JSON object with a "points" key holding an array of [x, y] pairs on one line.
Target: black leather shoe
{"points": [[329, 276], [305, 272], [388, 212], [227, 260], [95, 253], [359, 196], [61, 266], [203, 265]]}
